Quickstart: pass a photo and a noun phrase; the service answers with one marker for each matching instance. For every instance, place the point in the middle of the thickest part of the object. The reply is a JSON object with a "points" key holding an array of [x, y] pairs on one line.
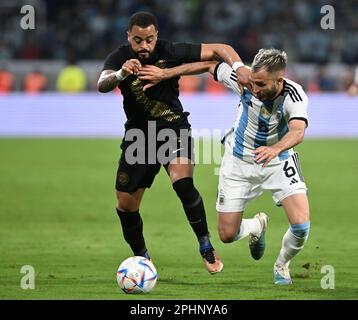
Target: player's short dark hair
{"points": [[142, 19], [270, 59]]}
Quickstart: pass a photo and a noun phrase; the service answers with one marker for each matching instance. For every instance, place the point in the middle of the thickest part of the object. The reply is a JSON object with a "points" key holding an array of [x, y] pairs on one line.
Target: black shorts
{"points": [[140, 162]]}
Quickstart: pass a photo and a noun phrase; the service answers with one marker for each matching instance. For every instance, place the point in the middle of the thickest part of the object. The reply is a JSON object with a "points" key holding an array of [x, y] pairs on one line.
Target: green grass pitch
{"points": [[57, 214]]}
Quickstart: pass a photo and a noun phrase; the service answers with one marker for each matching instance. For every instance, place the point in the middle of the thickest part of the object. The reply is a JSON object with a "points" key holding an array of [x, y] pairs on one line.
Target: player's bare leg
{"points": [[131, 221], [180, 168], [229, 224], [232, 227], [129, 201], [180, 171], [297, 211]]}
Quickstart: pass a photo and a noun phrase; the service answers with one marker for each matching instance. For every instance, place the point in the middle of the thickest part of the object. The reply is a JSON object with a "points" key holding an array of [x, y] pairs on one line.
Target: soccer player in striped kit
{"points": [[259, 155]]}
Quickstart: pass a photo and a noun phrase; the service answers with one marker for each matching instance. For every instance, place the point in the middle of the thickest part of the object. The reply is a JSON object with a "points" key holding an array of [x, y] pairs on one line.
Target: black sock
{"points": [[197, 219], [132, 226], [193, 206]]}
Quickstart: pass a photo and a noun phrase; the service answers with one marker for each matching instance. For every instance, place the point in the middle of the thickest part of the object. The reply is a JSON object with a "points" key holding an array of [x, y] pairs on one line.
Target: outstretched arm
{"points": [[229, 55], [155, 75], [209, 53]]}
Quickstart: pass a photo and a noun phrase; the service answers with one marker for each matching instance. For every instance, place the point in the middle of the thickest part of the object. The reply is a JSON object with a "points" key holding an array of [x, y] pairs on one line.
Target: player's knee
{"points": [[227, 236], [186, 191], [127, 205], [301, 230]]}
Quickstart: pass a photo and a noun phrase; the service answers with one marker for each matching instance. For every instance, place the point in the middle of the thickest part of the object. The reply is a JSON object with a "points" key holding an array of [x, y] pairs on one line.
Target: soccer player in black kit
{"points": [[159, 105]]}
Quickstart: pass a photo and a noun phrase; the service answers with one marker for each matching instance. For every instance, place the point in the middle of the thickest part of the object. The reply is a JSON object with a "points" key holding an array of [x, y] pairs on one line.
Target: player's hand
{"points": [[265, 154], [243, 74], [152, 74], [131, 66]]}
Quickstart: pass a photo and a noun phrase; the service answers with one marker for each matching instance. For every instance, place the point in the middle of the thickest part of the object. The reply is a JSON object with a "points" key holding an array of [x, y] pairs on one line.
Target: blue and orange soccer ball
{"points": [[136, 275]]}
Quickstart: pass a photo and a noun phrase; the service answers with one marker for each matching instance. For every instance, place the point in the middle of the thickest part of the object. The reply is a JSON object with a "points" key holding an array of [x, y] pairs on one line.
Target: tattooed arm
{"points": [[107, 81], [110, 79]]}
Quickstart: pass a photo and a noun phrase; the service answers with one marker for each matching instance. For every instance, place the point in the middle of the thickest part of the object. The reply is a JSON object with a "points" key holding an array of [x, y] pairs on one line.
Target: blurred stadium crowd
{"points": [[84, 32]]}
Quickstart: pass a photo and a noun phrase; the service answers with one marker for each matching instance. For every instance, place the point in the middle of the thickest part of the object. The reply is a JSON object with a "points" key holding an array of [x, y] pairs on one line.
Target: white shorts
{"points": [[241, 181]]}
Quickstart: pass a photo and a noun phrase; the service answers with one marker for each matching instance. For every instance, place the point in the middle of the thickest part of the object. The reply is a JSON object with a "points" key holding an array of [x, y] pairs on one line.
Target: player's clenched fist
{"points": [[131, 66]]}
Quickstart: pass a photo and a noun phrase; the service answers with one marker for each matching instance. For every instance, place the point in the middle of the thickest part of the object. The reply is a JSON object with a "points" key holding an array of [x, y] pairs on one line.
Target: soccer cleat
{"points": [[281, 275], [257, 242], [144, 254], [211, 260]]}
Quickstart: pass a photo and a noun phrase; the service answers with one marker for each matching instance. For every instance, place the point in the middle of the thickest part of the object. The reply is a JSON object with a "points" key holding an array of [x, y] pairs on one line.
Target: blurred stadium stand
{"points": [[331, 77], [322, 60]]}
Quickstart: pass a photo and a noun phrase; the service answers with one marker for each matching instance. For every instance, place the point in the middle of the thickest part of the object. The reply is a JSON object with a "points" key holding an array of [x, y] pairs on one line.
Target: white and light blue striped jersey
{"points": [[262, 123]]}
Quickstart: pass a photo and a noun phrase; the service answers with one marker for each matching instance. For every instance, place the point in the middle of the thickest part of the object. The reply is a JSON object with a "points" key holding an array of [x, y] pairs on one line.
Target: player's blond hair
{"points": [[269, 59]]}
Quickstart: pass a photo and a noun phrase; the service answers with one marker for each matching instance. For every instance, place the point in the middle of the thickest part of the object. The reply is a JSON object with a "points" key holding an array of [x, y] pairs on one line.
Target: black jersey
{"points": [[160, 102]]}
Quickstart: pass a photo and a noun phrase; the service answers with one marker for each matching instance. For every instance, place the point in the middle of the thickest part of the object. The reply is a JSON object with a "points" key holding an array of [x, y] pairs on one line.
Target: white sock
{"points": [[249, 226], [291, 245]]}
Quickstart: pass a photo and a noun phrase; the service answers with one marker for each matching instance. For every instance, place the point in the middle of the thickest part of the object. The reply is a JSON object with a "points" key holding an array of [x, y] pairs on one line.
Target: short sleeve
{"points": [[297, 104], [185, 52], [227, 76], [113, 61]]}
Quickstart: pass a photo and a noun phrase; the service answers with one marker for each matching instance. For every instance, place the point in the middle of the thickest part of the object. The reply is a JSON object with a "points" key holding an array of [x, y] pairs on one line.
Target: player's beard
{"points": [[269, 94], [147, 58]]}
